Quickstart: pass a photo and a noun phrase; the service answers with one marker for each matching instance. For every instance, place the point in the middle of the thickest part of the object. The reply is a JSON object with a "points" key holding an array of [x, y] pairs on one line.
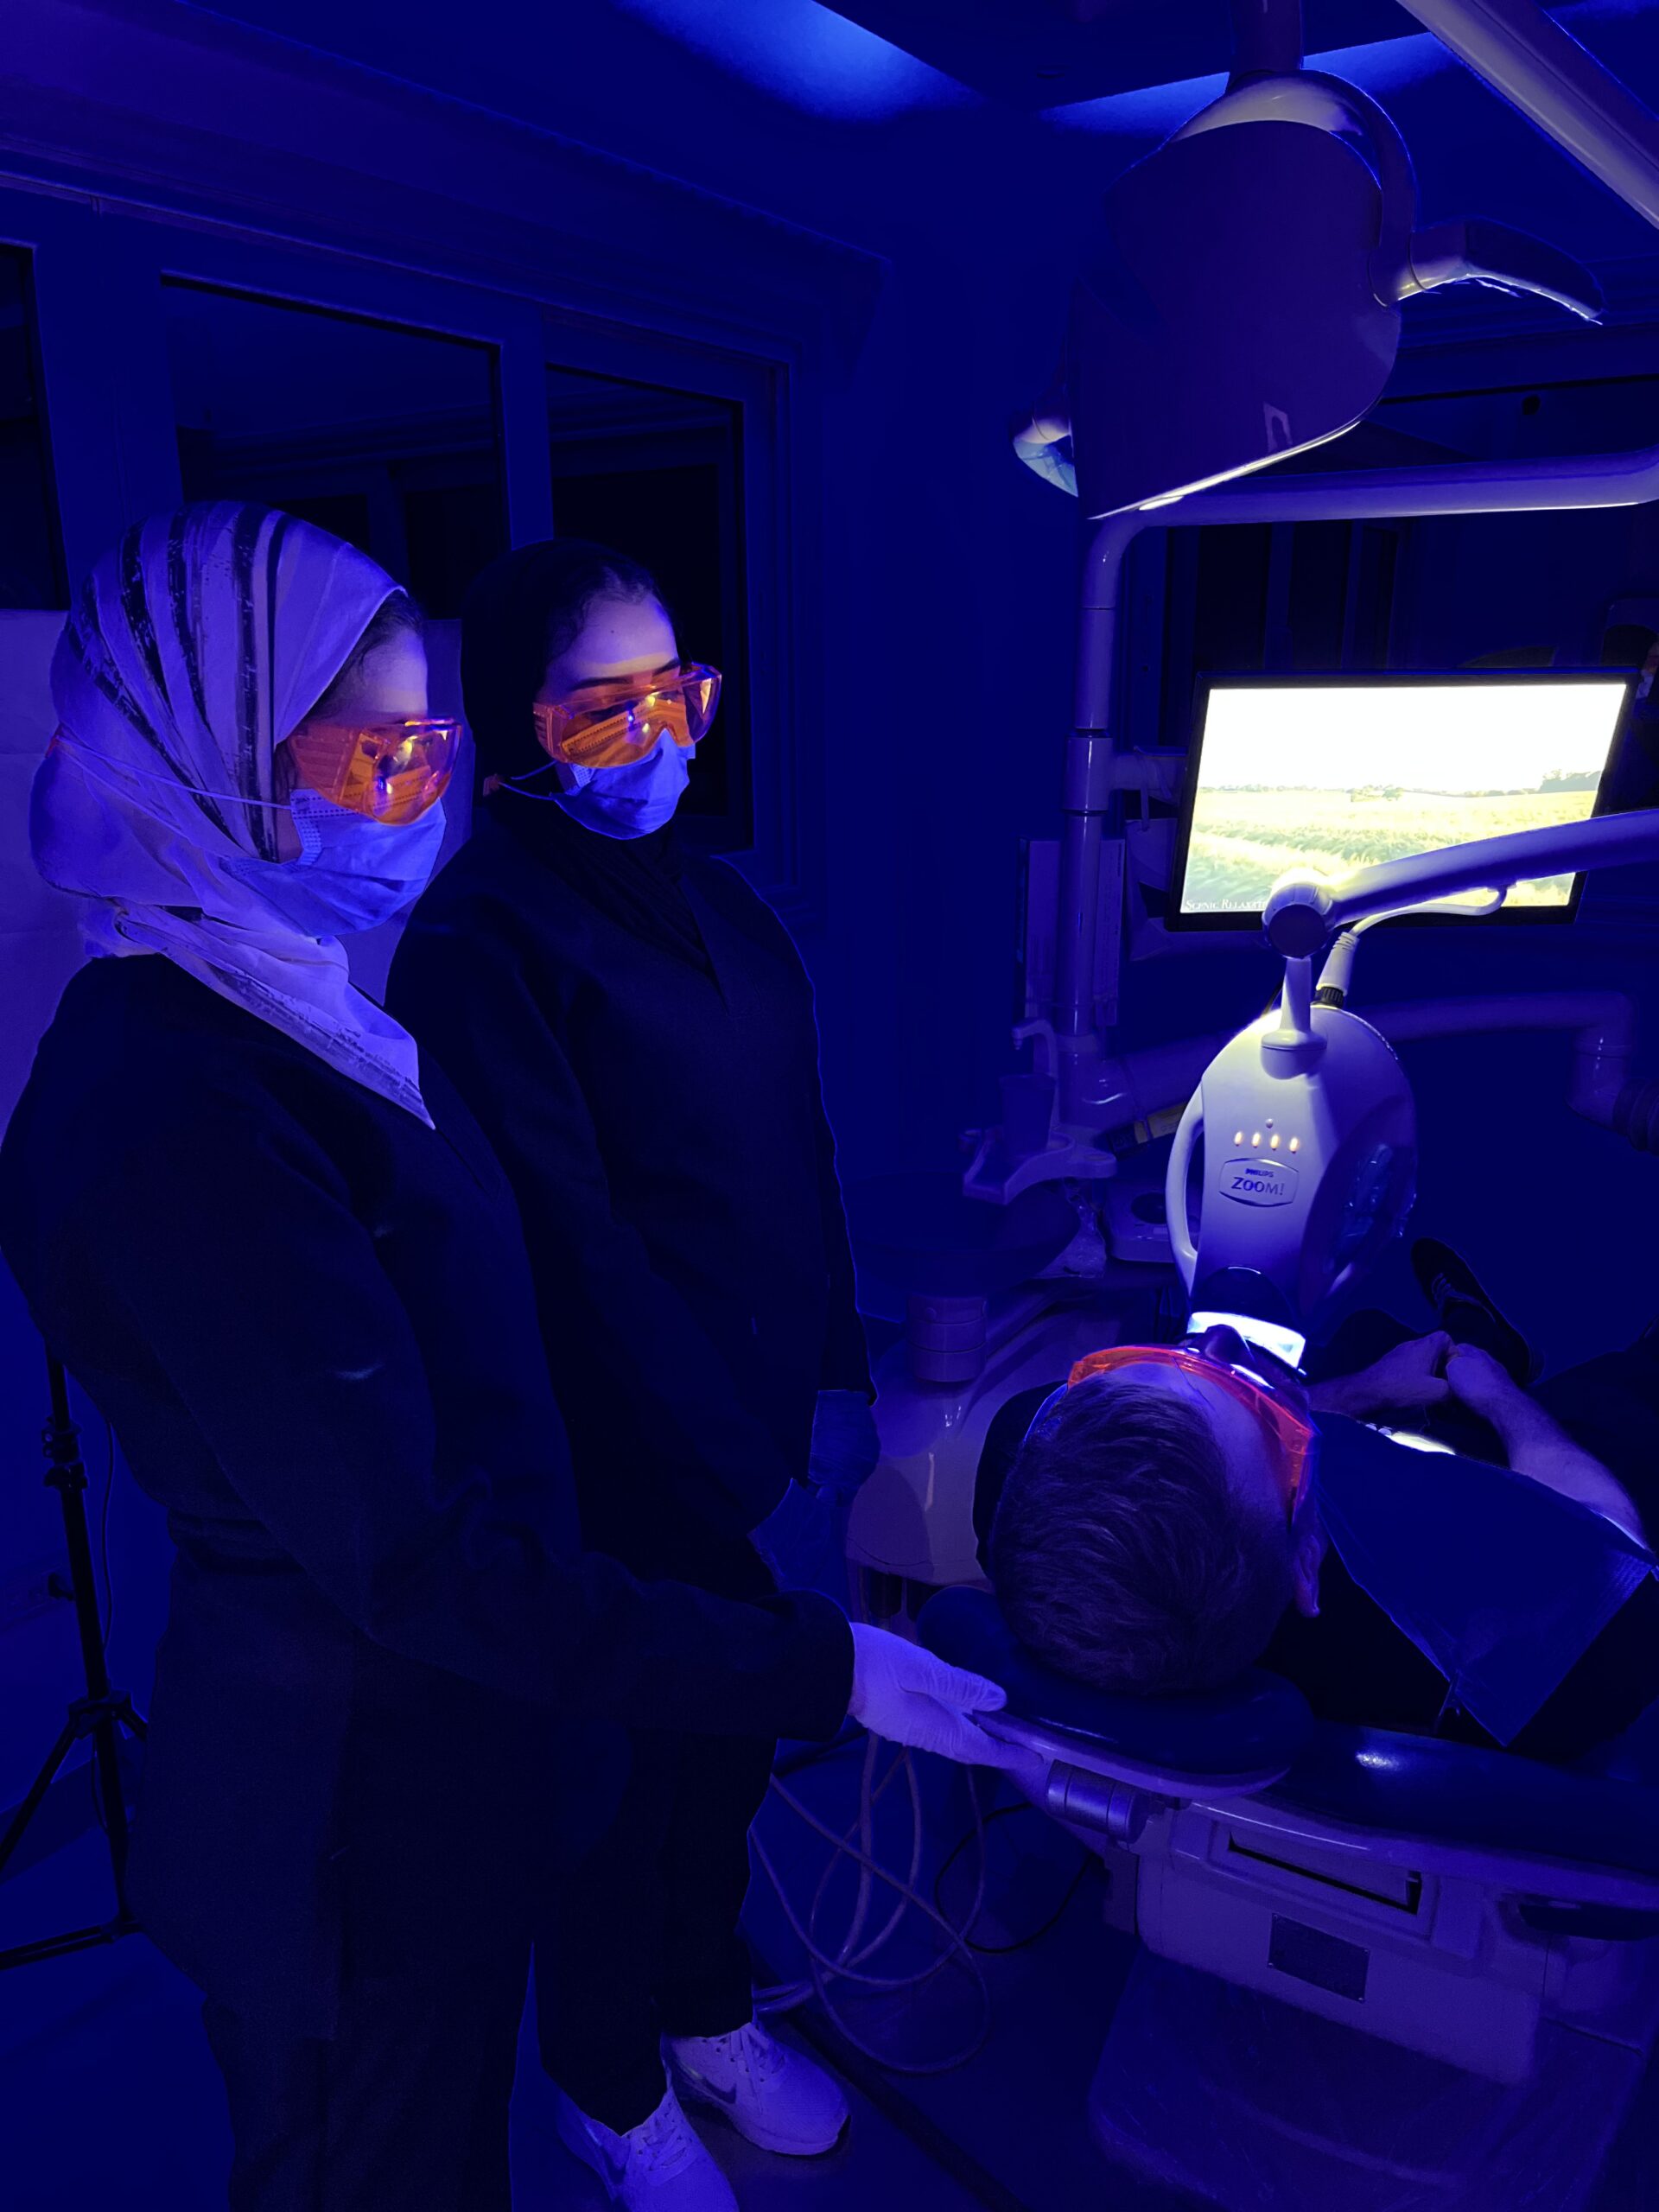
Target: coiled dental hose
{"points": [[849, 1961]]}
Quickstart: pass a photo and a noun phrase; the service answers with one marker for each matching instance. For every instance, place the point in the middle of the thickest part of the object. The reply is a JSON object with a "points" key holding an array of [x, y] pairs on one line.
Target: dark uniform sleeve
{"points": [[240, 1263], [602, 1302], [846, 1353]]}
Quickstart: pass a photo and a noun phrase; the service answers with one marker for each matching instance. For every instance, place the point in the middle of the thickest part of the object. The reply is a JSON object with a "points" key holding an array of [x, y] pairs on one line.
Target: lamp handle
{"points": [[1188, 1133]]}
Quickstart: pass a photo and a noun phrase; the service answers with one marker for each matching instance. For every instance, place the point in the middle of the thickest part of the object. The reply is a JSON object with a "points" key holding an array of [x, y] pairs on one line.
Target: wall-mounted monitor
{"points": [[1336, 771]]}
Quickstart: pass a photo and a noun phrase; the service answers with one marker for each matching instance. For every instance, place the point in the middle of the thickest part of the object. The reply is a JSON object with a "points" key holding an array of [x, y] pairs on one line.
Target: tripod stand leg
{"points": [[100, 1714], [42, 1781], [106, 1755]]}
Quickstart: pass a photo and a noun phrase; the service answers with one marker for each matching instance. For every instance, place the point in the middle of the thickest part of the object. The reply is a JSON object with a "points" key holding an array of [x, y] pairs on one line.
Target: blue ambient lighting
{"points": [[806, 54]]}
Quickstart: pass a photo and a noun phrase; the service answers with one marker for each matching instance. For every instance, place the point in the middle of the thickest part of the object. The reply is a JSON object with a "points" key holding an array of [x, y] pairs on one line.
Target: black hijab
{"points": [[522, 611]]}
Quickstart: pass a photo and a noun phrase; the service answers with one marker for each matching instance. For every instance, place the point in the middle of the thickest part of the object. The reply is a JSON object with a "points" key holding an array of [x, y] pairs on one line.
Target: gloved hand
{"points": [[910, 1696], [845, 1444]]}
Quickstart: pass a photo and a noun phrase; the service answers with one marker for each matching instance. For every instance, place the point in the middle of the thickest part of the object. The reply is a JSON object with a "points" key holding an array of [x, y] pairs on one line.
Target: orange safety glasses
{"points": [[612, 725], [1293, 1435], [390, 771]]}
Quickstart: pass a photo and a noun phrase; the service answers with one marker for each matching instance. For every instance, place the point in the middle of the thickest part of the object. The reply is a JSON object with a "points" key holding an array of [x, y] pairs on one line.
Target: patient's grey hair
{"points": [[1121, 1553]]}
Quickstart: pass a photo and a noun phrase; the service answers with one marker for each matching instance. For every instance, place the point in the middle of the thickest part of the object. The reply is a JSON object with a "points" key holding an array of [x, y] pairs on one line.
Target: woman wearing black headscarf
{"points": [[634, 1027]]}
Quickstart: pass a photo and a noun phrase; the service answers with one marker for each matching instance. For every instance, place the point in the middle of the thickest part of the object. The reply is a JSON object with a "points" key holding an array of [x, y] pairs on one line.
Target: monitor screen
{"points": [[1335, 773]]}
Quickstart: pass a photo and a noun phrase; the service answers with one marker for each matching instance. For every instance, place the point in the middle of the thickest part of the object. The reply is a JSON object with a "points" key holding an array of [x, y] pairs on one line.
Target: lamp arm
{"points": [[1304, 912]]}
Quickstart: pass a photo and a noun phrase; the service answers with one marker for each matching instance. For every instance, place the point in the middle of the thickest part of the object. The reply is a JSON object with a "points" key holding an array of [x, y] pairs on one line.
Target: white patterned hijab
{"points": [[193, 650]]}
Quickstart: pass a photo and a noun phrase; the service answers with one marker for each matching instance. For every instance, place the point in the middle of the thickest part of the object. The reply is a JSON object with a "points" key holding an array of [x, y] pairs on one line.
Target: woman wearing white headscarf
{"points": [[276, 1251]]}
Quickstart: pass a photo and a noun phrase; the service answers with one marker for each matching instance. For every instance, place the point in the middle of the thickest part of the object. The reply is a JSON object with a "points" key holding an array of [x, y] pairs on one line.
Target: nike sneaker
{"points": [[1466, 1312], [773, 2096]]}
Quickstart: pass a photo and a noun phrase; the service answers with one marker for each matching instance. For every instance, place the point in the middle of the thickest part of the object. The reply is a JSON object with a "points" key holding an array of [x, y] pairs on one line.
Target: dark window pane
{"points": [[385, 436], [1318, 593], [1232, 584], [31, 565], [657, 474], [1314, 596]]}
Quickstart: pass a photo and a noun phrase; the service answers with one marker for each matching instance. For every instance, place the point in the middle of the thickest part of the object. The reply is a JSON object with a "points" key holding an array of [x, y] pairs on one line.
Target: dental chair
{"points": [[1477, 1931], [1444, 1898], [1475, 1927]]}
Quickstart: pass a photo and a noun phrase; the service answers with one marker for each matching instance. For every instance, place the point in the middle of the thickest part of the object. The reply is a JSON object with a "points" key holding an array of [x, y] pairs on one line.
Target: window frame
{"points": [[490, 351], [98, 259]]}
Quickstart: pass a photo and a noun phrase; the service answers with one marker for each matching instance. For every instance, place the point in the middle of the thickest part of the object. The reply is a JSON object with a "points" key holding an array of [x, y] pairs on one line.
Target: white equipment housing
{"points": [[1309, 1139]]}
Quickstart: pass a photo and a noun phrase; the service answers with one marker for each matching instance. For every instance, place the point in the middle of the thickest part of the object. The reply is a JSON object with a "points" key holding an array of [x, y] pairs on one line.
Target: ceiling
{"points": [[1047, 54]]}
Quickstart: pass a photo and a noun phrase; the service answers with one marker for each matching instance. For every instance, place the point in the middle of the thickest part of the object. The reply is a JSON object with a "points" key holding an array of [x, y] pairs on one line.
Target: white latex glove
{"points": [[910, 1696]]}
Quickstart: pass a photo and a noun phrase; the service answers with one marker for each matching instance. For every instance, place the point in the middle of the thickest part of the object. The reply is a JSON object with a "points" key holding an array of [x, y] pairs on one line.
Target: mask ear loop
{"points": [[230, 799], [515, 785], [155, 776], [492, 785]]}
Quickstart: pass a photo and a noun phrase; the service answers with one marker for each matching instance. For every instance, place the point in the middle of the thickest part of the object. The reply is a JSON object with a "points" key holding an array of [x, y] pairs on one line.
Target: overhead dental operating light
{"points": [[1241, 298]]}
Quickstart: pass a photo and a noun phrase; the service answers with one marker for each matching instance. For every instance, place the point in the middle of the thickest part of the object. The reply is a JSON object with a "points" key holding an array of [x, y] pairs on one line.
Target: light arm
{"points": [[1303, 912]]}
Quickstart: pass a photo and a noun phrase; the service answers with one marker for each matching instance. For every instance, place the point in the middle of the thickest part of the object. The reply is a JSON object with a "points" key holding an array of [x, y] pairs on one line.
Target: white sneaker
{"points": [[773, 2096], [659, 2166]]}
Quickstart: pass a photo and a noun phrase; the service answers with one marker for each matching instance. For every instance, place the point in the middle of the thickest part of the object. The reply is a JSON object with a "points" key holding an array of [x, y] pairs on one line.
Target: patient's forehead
{"points": [[1236, 1430]]}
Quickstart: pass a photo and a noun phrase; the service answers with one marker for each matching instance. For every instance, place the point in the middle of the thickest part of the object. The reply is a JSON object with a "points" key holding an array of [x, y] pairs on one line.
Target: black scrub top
{"points": [[649, 1078], [311, 1322]]}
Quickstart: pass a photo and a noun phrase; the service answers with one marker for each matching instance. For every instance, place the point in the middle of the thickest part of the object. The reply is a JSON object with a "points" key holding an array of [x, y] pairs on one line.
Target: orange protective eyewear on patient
{"points": [[390, 771], [612, 725], [1293, 1436]]}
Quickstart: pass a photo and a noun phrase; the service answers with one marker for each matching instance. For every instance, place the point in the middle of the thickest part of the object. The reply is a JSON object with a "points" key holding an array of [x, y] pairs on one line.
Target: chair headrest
{"points": [[1250, 1733]]}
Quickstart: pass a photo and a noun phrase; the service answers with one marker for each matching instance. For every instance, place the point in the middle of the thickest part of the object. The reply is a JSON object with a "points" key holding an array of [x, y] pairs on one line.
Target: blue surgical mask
{"points": [[351, 873], [628, 802]]}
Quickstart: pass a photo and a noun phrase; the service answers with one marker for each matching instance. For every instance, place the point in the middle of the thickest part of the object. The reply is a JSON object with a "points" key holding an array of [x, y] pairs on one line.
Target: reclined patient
{"points": [[1158, 1532]]}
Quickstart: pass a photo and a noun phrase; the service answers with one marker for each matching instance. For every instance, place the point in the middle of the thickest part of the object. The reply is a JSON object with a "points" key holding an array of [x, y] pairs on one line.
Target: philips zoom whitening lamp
{"points": [[1309, 1149], [1381, 793]]}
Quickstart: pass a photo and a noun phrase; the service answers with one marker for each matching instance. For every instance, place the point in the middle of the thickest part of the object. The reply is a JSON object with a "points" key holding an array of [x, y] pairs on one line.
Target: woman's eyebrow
{"points": [[598, 682]]}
